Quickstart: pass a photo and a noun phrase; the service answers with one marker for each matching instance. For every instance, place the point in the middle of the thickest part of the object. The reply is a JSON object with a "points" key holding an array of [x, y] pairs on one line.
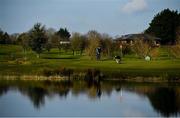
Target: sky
{"points": [[115, 17]]}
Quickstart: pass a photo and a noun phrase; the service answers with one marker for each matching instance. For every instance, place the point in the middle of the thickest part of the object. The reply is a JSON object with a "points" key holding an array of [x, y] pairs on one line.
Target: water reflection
{"points": [[165, 100], [3, 89], [36, 95]]}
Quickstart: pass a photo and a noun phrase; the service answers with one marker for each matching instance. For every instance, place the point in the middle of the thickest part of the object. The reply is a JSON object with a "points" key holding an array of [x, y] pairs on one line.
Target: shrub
{"points": [[94, 41], [141, 48], [145, 48], [127, 49], [175, 50], [154, 53]]}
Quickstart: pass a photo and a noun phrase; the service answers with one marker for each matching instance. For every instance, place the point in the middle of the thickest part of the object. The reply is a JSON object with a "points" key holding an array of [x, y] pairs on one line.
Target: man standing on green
{"points": [[98, 53]]}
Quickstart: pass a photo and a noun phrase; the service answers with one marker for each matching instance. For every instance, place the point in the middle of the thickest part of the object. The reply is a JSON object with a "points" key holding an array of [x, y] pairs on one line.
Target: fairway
{"points": [[12, 63]]}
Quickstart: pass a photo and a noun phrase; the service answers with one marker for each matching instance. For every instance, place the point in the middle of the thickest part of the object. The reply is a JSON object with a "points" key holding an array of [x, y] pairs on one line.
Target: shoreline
{"points": [[66, 78]]}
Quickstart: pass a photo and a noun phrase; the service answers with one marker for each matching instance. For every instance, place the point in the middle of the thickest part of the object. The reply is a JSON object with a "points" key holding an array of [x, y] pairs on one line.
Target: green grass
{"points": [[131, 65]]}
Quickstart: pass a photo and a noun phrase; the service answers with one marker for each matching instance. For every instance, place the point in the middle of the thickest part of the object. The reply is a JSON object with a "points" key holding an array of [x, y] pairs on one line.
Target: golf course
{"points": [[90, 58], [47, 52], [13, 63]]}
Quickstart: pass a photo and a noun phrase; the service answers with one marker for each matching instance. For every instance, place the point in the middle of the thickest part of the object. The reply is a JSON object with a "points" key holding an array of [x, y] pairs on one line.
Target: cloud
{"points": [[134, 6]]}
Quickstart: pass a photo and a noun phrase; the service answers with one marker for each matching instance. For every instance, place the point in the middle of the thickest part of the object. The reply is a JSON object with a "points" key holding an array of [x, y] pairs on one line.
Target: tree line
{"points": [[165, 25], [40, 39]]}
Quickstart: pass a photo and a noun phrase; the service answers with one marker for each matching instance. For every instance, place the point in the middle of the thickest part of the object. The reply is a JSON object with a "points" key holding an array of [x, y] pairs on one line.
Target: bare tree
{"points": [[77, 42], [141, 48], [107, 45], [154, 52], [94, 41], [24, 40], [175, 50]]}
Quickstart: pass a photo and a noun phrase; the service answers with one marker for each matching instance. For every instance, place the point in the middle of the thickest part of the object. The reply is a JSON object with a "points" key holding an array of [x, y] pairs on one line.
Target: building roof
{"points": [[136, 36]]}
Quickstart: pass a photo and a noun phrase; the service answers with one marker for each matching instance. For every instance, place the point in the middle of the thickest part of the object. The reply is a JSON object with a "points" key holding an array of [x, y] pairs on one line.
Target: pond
{"points": [[82, 98]]}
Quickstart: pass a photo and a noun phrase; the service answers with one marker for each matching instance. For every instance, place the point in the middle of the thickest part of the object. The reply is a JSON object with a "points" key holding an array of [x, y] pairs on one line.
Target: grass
{"points": [[164, 65]]}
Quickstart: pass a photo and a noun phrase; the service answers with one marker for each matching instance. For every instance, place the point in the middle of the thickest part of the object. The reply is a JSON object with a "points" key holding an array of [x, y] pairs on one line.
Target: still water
{"points": [[80, 98]]}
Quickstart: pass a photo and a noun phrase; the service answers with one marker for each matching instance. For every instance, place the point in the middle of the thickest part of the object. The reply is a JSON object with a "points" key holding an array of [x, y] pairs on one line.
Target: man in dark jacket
{"points": [[98, 53]]}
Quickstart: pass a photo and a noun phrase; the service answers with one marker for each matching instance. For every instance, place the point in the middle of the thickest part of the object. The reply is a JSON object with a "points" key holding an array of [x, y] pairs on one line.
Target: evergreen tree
{"points": [[38, 38], [63, 34], [164, 26]]}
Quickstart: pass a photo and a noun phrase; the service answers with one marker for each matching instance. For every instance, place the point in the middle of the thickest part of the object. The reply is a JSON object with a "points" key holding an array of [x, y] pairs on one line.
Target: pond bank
{"points": [[66, 78]]}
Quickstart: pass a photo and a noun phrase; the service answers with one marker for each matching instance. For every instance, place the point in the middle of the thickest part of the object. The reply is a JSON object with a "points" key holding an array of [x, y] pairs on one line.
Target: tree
{"points": [[55, 41], [164, 26], [63, 34], [178, 34], [142, 48], [78, 42], [154, 52], [2, 41], [107, 45], [7, 38], [38, 38], [24, 40], [94, 41], [175, 50], [50, 32], [48, 46], [14, 38], [4, 38], [82, 43]]}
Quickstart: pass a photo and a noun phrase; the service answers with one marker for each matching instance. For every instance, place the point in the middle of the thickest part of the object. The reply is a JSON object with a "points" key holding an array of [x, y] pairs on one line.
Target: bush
{"points": [[127, 49], [154, 53], [145, 48], [175, 50], [94, 41], [142, 48]]}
